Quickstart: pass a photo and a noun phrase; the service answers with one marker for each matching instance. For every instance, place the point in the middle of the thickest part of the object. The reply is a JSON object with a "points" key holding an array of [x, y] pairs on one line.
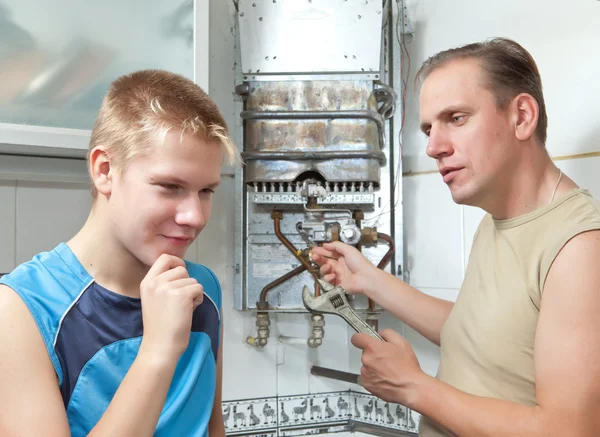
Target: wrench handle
{"points": [[357, 323]]}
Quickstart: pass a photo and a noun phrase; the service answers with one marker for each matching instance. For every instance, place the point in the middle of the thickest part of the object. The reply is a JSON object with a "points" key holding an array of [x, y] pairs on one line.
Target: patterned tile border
{"points": [[317, 413]]}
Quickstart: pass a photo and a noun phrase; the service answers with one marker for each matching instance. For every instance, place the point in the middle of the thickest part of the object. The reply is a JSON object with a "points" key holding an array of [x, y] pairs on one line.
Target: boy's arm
{"points": [[30, 400]]}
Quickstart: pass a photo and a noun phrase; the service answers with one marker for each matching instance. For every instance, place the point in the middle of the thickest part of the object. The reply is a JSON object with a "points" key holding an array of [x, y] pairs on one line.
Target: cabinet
{"points": [[58, 57]]}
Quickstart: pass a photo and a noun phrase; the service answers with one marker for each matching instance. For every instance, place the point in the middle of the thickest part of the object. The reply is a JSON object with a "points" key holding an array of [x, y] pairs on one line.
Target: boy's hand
{"points": [[169, 297]]}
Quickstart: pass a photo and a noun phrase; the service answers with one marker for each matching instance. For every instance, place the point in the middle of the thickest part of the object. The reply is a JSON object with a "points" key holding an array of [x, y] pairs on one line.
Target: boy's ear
{"points": [[101, 170]]}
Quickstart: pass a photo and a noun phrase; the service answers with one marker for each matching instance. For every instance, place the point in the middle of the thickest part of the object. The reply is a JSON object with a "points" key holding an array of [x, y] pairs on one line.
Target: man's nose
{"points": [[439, 144]]}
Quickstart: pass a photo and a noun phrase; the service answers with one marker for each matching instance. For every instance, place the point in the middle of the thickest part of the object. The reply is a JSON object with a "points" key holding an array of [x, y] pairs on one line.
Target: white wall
{"points": [[563, 39]]}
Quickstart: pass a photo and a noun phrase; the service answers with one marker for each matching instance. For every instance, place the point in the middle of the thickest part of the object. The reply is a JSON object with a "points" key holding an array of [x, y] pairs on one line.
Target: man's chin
{"points": [[461, 196]]}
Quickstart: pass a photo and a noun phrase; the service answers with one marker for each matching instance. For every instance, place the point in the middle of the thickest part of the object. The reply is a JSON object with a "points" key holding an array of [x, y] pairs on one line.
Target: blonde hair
{"points": [[140, 105]]}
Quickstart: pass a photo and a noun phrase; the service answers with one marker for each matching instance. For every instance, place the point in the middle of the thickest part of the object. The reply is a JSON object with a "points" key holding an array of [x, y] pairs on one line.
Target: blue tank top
{"points": [[93, 335]]}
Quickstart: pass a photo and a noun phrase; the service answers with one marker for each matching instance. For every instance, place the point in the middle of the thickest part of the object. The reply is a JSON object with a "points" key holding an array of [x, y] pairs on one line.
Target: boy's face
{"points": [[162, 201]]}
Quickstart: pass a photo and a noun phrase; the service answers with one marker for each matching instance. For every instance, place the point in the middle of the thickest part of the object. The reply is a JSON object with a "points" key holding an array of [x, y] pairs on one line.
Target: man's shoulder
{"points": [[579, 206]]}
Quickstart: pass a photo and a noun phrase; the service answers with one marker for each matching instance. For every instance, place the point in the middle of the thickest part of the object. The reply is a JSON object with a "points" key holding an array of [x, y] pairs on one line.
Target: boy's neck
{"points": [[105, 259]]}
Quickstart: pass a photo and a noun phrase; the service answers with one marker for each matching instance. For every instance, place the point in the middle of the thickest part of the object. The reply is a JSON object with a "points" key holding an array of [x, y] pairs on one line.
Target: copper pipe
{"points": [[277, 216], [386, 258], [262, 303], [358, 215]]}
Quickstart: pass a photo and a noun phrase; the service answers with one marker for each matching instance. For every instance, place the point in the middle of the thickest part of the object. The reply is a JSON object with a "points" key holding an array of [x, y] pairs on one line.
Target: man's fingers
{"points": [[362, 341], [320, 253], [325, 269], [392, 336], [337, 248], [330, 278]]}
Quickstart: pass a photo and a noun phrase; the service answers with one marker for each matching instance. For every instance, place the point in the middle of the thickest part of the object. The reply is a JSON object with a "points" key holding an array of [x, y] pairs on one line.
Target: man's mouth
{"points": [[448, 173]]}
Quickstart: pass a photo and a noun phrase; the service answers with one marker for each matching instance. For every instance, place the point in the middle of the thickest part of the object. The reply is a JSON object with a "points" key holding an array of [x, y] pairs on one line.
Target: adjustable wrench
{"points": [[333, 300]]}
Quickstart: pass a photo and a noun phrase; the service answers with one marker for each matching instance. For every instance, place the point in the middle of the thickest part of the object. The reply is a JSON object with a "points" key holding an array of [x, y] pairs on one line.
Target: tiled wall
{"points": [[319, 413], [268, 390], [36, 215]]}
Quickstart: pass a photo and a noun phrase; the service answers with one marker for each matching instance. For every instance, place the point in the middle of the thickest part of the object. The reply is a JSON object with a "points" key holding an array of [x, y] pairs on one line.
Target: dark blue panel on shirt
{"points": [[101, 317]]}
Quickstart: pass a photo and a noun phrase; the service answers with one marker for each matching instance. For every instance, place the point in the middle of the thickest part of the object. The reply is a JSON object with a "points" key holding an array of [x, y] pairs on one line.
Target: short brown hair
{"points": [[510, 71], [147, 102]]}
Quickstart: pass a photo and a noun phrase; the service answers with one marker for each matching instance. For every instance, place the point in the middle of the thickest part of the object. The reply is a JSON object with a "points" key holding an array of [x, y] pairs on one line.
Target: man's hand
{"points": [[390, 369], [342, 264]]}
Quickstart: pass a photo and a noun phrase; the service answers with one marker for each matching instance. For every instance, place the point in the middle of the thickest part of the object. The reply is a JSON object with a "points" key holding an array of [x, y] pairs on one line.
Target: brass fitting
{"points": [[369, 235], [276, 214]]}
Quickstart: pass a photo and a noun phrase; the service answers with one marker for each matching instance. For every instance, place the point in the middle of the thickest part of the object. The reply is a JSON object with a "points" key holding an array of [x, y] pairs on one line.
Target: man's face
{"points": [[162, 201], [469, 137]]}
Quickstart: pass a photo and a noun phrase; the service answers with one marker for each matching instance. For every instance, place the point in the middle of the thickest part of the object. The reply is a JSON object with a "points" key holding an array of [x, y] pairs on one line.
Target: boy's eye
{"points": [[208, 190]]}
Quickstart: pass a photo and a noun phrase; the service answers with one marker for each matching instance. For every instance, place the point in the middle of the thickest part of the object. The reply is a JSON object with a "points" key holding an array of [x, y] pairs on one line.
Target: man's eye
{"points": [[208, 190], [170, 187], [457, 118]]}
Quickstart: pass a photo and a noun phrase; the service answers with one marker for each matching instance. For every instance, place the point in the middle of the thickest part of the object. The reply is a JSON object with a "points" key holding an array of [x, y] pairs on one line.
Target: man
{"points": [[112, 333], [520, 347]]}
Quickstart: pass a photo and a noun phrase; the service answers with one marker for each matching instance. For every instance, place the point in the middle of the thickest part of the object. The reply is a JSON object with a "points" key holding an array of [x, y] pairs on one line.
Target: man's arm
{"points": [[567, 362], [425, 314], [342, 264], [216, 427]]}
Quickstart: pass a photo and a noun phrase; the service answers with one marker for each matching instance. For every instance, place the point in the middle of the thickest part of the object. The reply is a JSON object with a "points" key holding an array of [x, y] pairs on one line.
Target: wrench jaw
{"points": [[325, 286], [335, 302], [317, 305], [308, 300]]}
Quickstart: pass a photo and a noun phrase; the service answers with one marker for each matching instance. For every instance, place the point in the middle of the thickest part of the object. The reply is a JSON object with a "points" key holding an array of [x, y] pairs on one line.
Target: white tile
{"points": [[293, 373], [433, 233], [214, 246], [248, 372], [255, 416], [414, 419], [48, 213], [334, 353], [7, 226], [471, 218], [584, 171]]}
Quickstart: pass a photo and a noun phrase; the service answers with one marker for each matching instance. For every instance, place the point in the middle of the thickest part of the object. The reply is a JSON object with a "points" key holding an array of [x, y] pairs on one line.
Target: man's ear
{"points": [[101, 171], [526, 116]]}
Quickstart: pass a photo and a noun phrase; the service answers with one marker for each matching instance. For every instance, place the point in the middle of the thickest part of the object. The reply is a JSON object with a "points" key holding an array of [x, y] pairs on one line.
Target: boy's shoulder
{"points": [[207, 279]]}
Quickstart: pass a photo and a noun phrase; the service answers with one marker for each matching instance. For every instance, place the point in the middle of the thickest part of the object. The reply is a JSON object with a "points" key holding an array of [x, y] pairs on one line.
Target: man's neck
{"points": [[108, 262], [532, 183]]}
